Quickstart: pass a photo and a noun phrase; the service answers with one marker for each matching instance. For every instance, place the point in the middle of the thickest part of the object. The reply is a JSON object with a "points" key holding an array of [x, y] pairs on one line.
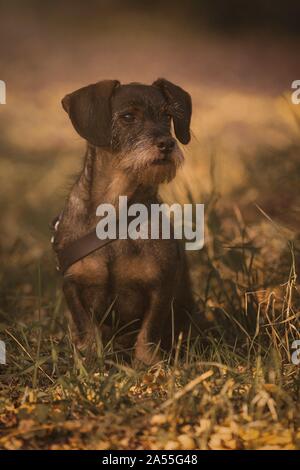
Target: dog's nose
{"points": [[166, 145]]}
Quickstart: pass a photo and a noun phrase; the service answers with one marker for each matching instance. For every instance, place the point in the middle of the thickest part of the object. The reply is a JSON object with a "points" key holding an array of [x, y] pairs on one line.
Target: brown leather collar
{"points": [[80, 248]]}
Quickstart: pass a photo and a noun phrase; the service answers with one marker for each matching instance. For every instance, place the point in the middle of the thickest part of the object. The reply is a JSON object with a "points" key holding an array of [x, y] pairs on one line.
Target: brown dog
{"points": [[130, 151]]}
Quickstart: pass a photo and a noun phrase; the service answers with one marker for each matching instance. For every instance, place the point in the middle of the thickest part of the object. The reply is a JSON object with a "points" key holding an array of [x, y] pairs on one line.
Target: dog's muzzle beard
{"points": [[149, 166]]}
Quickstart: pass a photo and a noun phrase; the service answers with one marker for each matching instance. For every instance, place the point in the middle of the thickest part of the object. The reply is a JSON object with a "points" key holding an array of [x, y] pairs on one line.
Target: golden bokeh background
{"points": [[238, 70]]}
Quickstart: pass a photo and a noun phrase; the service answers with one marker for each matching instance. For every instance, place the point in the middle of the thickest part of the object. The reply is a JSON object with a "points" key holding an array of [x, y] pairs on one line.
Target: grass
{"points": [[233, 388]]}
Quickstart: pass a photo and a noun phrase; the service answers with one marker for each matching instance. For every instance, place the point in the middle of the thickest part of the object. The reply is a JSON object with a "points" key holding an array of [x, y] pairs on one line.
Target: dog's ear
{"points": [[181, 108], [89, 109]]}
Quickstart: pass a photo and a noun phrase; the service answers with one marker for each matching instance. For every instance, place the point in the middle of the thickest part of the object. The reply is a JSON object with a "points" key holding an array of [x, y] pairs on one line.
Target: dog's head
{"points": [[134, 122]]}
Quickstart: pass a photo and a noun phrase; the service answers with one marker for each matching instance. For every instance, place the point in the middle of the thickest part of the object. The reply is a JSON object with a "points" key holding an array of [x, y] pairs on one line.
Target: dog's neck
{"points": [[103, 182]]}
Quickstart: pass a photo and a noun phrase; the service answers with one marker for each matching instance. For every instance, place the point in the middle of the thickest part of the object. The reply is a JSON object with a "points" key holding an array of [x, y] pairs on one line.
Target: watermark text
{"points": [[159, 221], [2, 92]]}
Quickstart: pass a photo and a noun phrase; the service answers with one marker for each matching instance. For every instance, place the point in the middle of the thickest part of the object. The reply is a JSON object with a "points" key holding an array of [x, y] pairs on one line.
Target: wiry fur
{"points": [[147, 281]]}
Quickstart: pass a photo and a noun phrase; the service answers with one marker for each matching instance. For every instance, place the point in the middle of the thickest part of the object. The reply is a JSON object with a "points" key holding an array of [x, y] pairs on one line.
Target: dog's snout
{"points": [[166, 145]]}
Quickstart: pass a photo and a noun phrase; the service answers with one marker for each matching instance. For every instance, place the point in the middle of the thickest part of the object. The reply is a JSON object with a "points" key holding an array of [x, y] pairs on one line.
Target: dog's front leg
{"points": [[85, 327], [151, 332]]}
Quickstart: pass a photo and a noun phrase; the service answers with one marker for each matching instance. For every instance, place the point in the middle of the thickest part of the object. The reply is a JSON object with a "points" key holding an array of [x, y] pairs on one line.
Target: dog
{"points": [[130, 152]]}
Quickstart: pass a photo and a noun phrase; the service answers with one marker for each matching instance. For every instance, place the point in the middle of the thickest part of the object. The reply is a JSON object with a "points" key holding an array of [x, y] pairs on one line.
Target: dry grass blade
{"points": [[187, 389], [28, 354]]}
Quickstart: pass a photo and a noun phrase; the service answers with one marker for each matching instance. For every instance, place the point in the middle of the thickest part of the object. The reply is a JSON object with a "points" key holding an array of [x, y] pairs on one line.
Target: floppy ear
{"points": [[89, 109], [181, 108]]}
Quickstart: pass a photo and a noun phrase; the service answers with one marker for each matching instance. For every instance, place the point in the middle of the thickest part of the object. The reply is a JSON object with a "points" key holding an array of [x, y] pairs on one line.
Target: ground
{"points": [[235, 388]]}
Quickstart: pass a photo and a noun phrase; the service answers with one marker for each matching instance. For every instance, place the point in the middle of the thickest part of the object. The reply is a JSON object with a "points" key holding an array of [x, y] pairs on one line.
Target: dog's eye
{"points": [[128, 117]]}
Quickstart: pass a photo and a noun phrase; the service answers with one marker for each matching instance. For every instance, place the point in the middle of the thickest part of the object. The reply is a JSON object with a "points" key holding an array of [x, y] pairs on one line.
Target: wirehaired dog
{"points": [[130, 152]]}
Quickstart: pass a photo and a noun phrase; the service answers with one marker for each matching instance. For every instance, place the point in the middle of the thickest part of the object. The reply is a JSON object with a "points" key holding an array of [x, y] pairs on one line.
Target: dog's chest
{"points": [[142, 262], [130, 271], [123, 263]]}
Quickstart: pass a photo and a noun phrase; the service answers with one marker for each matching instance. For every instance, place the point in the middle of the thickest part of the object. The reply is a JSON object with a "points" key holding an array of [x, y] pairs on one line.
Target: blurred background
{"points": [[236, 59]]}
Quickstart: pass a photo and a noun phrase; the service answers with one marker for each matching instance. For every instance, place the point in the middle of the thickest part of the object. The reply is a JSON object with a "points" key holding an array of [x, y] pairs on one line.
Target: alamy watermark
{"points": [[160, 221], [2, 352], [2, 92], [296, 353], [2, 101], [296, 94]]}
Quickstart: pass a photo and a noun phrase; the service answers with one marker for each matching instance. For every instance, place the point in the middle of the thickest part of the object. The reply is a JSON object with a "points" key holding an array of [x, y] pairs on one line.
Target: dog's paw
{"points": [[146, 356], [81, 342]]}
